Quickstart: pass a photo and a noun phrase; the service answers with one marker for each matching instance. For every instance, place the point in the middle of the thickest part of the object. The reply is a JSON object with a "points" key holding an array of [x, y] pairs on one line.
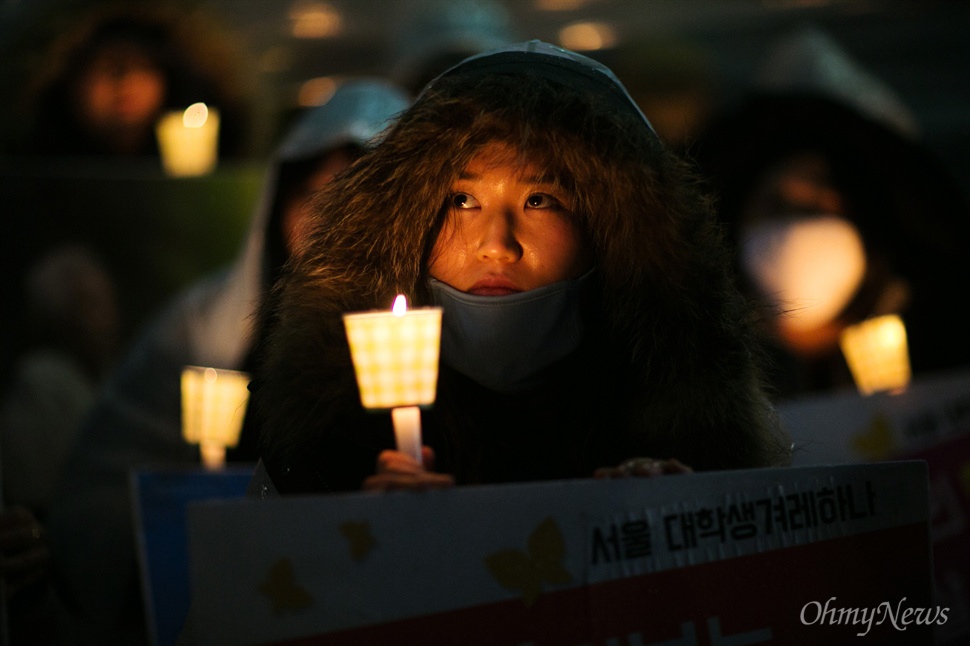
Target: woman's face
{"points": [[508, 229]]}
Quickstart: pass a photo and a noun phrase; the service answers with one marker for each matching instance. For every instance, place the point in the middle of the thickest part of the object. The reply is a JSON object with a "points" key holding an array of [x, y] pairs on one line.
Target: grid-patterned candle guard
{"points": [[395, 357], [877, 354], [189, 141], [213, 405]]}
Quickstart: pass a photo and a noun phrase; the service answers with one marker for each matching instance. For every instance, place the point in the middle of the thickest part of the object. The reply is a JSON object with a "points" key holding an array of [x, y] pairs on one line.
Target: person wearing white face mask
{"points": [[839, 215], [801, 251], [591, 325]]}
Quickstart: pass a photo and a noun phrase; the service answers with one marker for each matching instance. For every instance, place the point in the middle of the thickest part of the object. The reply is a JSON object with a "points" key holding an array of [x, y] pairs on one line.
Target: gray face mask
{"points": [[504, 342]]}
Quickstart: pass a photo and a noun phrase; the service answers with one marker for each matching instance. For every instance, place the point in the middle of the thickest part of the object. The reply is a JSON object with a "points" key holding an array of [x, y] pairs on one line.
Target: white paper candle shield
{"points": [[395, 356], [877, 353], [213, 407], [189, 140]]}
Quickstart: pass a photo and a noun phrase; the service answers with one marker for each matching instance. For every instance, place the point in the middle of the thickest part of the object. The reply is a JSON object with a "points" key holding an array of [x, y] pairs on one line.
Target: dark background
{"points": [[921, 48], [159, 233]]}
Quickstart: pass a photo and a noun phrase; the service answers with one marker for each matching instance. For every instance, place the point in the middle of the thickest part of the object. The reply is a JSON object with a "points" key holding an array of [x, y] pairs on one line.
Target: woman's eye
{"points": [[463, 201], [541, 201]]}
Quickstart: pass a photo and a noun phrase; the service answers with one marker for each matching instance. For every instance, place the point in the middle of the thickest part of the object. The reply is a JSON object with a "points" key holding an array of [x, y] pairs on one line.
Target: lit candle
{"points": [[213, 408], [877, 354], [395, 357], [189, 141]]}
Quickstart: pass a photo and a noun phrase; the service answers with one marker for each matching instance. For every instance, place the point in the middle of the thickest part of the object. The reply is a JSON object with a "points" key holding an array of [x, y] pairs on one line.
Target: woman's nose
{"points": [[498, 241]]}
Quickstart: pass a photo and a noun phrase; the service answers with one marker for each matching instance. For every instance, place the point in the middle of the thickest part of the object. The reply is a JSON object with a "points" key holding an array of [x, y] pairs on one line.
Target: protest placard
{"points": [[791, 556]]}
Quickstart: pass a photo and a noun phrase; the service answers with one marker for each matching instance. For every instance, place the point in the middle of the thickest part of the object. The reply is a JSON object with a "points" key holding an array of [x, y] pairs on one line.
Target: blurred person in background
{"points": [[137, 418], [73, 324], [104, 83], [838, 214], [73, 337]]}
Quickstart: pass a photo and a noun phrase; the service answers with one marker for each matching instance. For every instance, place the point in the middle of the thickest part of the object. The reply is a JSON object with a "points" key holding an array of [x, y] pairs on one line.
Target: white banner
{"points": [[304, 567]]}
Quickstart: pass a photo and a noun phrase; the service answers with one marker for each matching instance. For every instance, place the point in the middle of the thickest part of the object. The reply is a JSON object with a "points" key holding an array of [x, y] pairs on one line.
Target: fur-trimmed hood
{"points": [[668, 367]]}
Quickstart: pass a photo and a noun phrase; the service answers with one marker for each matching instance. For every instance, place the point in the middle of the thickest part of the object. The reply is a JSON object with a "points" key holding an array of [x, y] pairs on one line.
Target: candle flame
{"points": [[195, 115], [400, 305]]}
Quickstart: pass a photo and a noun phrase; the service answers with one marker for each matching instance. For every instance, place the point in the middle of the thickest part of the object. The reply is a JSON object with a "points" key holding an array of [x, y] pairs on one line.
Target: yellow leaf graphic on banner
{"points": [[525, 572], [876, 442], [514, 570], [282, 589], [359, 537], [548, 550]]}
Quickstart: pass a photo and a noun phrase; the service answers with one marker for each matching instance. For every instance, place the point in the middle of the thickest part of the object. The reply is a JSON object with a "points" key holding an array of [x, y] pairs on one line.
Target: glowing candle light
{"points": [[877, 354], [189, 140], [395, 357], [213, 408]]}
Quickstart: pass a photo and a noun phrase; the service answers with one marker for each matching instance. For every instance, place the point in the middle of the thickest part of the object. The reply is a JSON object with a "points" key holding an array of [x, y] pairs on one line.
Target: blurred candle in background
{"points": [[213, 407], [877, 353], [189, 140]]}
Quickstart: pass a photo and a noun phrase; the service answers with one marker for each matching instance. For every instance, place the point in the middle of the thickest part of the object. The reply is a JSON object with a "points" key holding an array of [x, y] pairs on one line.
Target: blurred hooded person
{"points": [[838, 214], [137, 420]]}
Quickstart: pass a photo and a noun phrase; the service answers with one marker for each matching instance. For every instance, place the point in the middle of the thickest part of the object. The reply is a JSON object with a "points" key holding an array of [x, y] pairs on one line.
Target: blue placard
{"points": [[161, 497]]}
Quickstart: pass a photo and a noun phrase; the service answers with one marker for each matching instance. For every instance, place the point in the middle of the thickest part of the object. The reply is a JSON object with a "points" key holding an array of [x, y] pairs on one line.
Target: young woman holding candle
{"points": [[590, 316]]}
